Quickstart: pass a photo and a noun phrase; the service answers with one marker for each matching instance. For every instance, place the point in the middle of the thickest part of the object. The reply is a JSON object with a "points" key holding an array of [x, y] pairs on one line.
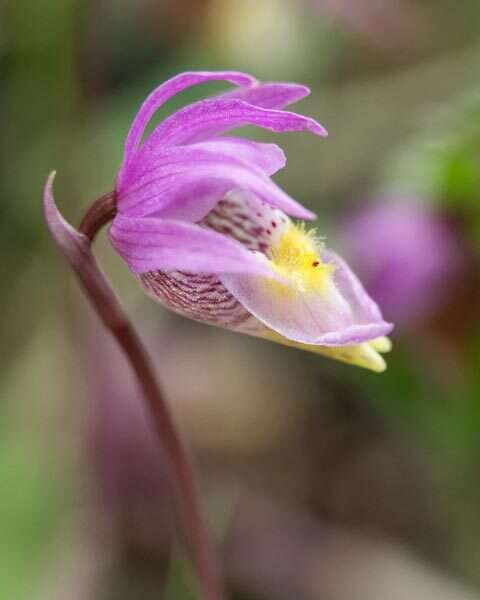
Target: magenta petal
{"points": [[196, 177], [170, 88], [270, 95], [342, 314], [167, 90], [207, 118], [270, 158], [167, 245], [190, 199]]}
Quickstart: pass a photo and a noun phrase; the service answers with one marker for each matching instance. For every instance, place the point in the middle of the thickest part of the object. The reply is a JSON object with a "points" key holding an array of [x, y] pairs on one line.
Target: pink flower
{"points": [[208, 233], [408, 255]]}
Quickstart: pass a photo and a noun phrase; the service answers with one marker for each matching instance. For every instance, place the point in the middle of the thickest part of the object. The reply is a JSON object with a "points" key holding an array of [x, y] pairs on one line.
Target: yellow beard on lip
{"points": [[295, 257]]}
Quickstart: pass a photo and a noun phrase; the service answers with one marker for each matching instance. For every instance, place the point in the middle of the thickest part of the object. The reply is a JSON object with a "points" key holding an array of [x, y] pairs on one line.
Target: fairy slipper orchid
{"points": [[208, 233]]}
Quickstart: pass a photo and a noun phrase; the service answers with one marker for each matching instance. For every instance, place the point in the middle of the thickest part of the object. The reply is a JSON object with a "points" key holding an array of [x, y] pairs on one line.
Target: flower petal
{"points": [[163, 93], [207, 118], [342, 314], [167, 245], [270, 95], [268, 157], [170, 88], [188, 181]]}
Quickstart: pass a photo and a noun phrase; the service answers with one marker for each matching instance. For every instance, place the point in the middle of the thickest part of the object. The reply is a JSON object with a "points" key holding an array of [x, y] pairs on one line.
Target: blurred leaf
{"points": [[29, 512], [181, 581], [443, 161]]}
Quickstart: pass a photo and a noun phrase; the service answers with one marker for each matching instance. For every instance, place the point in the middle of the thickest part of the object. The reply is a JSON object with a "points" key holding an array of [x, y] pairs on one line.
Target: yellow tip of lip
{"points": [[361, 355], [381, 344]]}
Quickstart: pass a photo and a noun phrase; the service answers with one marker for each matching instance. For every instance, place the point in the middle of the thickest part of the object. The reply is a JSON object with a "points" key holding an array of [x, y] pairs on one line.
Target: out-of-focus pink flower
{"points": [[407, 255], [130, 473]]}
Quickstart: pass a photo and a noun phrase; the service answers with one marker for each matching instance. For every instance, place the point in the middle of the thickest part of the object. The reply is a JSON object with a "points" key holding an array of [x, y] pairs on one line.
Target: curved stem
{"points": [[76, 246], [99, 214]]}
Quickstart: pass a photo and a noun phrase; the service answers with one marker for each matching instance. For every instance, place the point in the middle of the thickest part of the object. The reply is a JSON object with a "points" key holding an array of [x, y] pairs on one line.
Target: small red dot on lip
{"points": [[274, 224], [269, 232]]}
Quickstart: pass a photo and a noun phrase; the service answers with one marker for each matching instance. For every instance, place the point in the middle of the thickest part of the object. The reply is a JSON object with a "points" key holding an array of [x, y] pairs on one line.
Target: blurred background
{"points": [[321, 480]]}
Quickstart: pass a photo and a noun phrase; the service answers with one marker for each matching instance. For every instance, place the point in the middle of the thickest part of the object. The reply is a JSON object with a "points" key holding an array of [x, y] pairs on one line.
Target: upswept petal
{"points": [[191, 180], [270, 95], [342, 314], [270, 158], [170, 88], [168, 245], [208, 118]]}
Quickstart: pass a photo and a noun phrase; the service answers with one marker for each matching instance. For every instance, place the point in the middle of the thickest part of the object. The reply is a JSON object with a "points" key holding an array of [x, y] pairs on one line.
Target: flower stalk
{"points": [[75, 245]]}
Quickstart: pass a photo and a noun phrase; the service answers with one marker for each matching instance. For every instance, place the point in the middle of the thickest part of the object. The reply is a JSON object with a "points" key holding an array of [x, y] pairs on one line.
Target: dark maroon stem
{"points": [[76, 246], [99, 214]]}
